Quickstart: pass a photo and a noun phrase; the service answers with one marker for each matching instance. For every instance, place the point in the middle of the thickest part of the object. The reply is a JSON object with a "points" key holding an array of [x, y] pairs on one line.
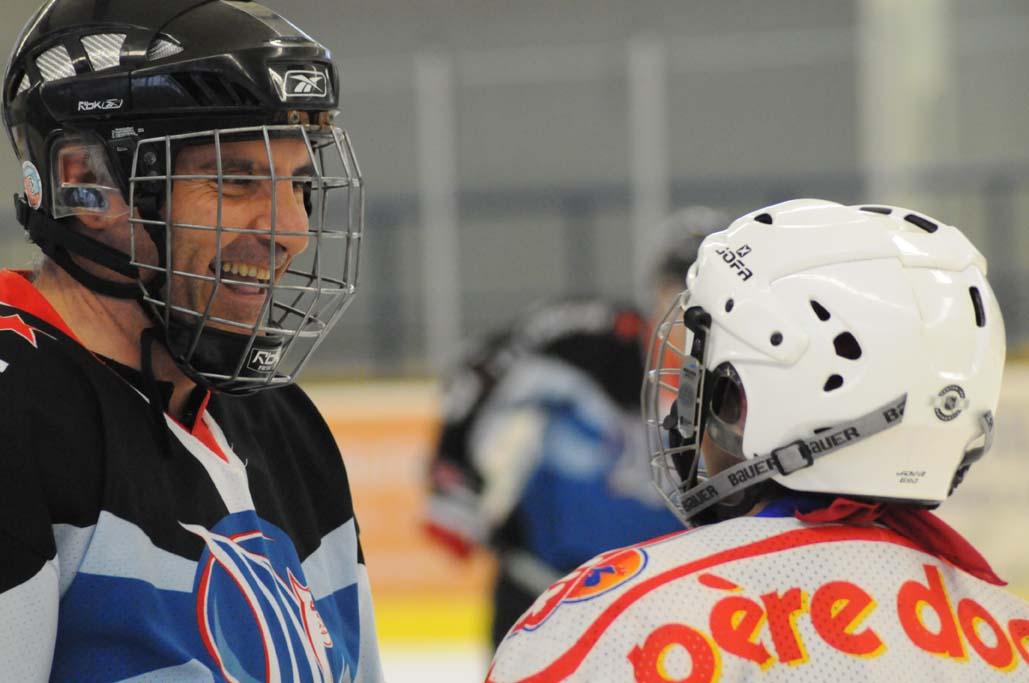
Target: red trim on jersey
{"points": [[565, 665], [201, 432], [17, 291], [450, 540], [929, 531]]}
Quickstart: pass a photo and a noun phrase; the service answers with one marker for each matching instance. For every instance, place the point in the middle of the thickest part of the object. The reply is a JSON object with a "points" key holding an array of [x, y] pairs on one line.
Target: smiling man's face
{"points": [[246, 256]]}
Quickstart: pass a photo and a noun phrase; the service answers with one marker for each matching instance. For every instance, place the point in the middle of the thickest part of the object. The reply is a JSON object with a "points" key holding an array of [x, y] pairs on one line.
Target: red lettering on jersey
{"points": [[650, 662], [1000, 655], [913, 598], [717, 582], [837, 609], [1019, 629], [14, 323], [735, 623], [782, 611]]}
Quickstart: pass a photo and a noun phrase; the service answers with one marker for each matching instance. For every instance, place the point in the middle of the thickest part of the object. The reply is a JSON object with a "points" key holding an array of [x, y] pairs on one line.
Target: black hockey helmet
{"points": [[135, 82]]}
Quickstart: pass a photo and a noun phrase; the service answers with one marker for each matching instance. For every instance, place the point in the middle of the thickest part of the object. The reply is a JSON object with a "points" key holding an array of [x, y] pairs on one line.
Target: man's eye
{"points": [[238, 183]]}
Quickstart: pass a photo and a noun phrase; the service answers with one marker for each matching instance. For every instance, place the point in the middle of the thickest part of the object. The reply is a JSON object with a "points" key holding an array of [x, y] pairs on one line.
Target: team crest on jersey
{"points": [[604, 574], [255, 613], [612, 572]]}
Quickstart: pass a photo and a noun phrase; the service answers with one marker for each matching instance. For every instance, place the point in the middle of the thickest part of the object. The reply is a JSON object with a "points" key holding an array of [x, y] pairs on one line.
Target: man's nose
{"points": [[286, 207]]}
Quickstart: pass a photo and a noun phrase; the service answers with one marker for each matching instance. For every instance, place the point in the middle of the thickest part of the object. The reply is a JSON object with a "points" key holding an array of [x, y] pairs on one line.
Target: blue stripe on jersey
{"points": [[251, 613]]}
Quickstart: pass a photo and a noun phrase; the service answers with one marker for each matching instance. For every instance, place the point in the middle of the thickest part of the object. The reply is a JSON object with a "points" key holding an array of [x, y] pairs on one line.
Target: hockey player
{"points": [[540, 457], [839, 377], [166, 514]]}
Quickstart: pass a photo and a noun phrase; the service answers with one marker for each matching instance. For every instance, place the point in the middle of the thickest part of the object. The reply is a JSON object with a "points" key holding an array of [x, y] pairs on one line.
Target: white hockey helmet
{"points": [[870, 330]]}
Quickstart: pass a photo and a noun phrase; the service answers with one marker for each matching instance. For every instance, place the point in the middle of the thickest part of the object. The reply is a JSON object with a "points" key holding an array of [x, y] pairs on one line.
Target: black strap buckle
{"points": [[21, 210], [792, 457]]}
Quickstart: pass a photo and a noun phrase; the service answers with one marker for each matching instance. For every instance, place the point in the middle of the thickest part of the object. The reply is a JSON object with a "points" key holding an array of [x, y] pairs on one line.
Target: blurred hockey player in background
{"points": [[540, 457], [837, 378]]}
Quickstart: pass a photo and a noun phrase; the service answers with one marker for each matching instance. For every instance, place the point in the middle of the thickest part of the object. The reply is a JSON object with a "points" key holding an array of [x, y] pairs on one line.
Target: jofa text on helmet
{"points": [[101, 105], [734, 259]]}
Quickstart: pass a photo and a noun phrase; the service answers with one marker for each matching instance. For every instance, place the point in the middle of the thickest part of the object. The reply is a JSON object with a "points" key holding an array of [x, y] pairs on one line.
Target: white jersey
{"points": [[769, 599]]}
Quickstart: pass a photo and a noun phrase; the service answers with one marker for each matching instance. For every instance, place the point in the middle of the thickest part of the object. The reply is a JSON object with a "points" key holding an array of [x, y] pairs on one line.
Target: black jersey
{"points": [[540, 455], [228, 550], [601, 340]]}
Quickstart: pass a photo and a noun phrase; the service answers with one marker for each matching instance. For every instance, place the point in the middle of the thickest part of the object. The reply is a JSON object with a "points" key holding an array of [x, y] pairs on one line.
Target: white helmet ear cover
{"points": [[828, 312]]}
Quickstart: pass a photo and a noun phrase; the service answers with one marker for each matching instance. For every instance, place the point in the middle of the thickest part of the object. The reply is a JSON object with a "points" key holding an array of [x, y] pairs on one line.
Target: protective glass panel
{"points": [[81, 179]]}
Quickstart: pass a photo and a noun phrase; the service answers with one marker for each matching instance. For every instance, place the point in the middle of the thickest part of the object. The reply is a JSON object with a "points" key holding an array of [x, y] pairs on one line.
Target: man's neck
{"points": [[110, 327]]}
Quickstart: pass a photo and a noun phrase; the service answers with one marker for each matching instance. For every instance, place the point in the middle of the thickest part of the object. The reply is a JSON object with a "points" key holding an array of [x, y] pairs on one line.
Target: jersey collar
{"points": [[790, 503], [17, 291]]}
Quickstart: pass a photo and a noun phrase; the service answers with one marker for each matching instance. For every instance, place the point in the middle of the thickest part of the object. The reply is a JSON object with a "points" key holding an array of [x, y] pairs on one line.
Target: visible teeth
{"points": [[245, 270]]}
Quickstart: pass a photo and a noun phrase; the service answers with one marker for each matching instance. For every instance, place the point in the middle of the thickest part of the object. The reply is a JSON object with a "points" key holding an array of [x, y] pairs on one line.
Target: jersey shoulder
{"points": [[767, 599], [603, 339]]}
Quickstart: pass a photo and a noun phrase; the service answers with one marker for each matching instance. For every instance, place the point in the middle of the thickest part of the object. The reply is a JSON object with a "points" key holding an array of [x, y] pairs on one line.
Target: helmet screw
{"points": [[149, 158], [776, 338]]}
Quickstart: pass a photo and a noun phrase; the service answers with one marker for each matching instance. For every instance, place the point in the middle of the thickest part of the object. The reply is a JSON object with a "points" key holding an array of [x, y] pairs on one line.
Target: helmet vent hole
{"points": [[55, 64], [820, 311], [23, 85], [776, 338], [977, 306], [763, 218], [210, 90], [847, 346], [884, 210], [103, 49], [833, 383], [729, 303], [822, 429], [161, 48], [923, 223]]}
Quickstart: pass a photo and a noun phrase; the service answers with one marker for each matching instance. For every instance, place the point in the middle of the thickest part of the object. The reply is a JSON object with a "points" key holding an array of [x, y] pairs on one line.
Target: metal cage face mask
{"points": [[247, 242], [672, 400]]}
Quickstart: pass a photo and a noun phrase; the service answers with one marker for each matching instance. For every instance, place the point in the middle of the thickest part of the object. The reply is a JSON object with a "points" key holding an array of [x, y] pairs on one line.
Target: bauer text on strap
{"points": [[791, 457]]}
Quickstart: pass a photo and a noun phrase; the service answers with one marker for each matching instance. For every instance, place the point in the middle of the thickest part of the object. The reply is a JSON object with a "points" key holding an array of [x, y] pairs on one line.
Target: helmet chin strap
{"points": [[58, 241], [788, 458], [740, 502], [219, 352], [972, 455]]}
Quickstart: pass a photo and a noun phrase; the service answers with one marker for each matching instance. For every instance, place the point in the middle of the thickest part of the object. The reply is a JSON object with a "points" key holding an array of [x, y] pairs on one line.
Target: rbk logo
{"points": [[264, 360], [305, 84], [101, 105]]}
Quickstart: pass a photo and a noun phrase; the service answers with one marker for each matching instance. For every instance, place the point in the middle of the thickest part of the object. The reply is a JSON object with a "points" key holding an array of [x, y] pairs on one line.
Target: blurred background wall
{"points": [[518, 150], [514, 150]]}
